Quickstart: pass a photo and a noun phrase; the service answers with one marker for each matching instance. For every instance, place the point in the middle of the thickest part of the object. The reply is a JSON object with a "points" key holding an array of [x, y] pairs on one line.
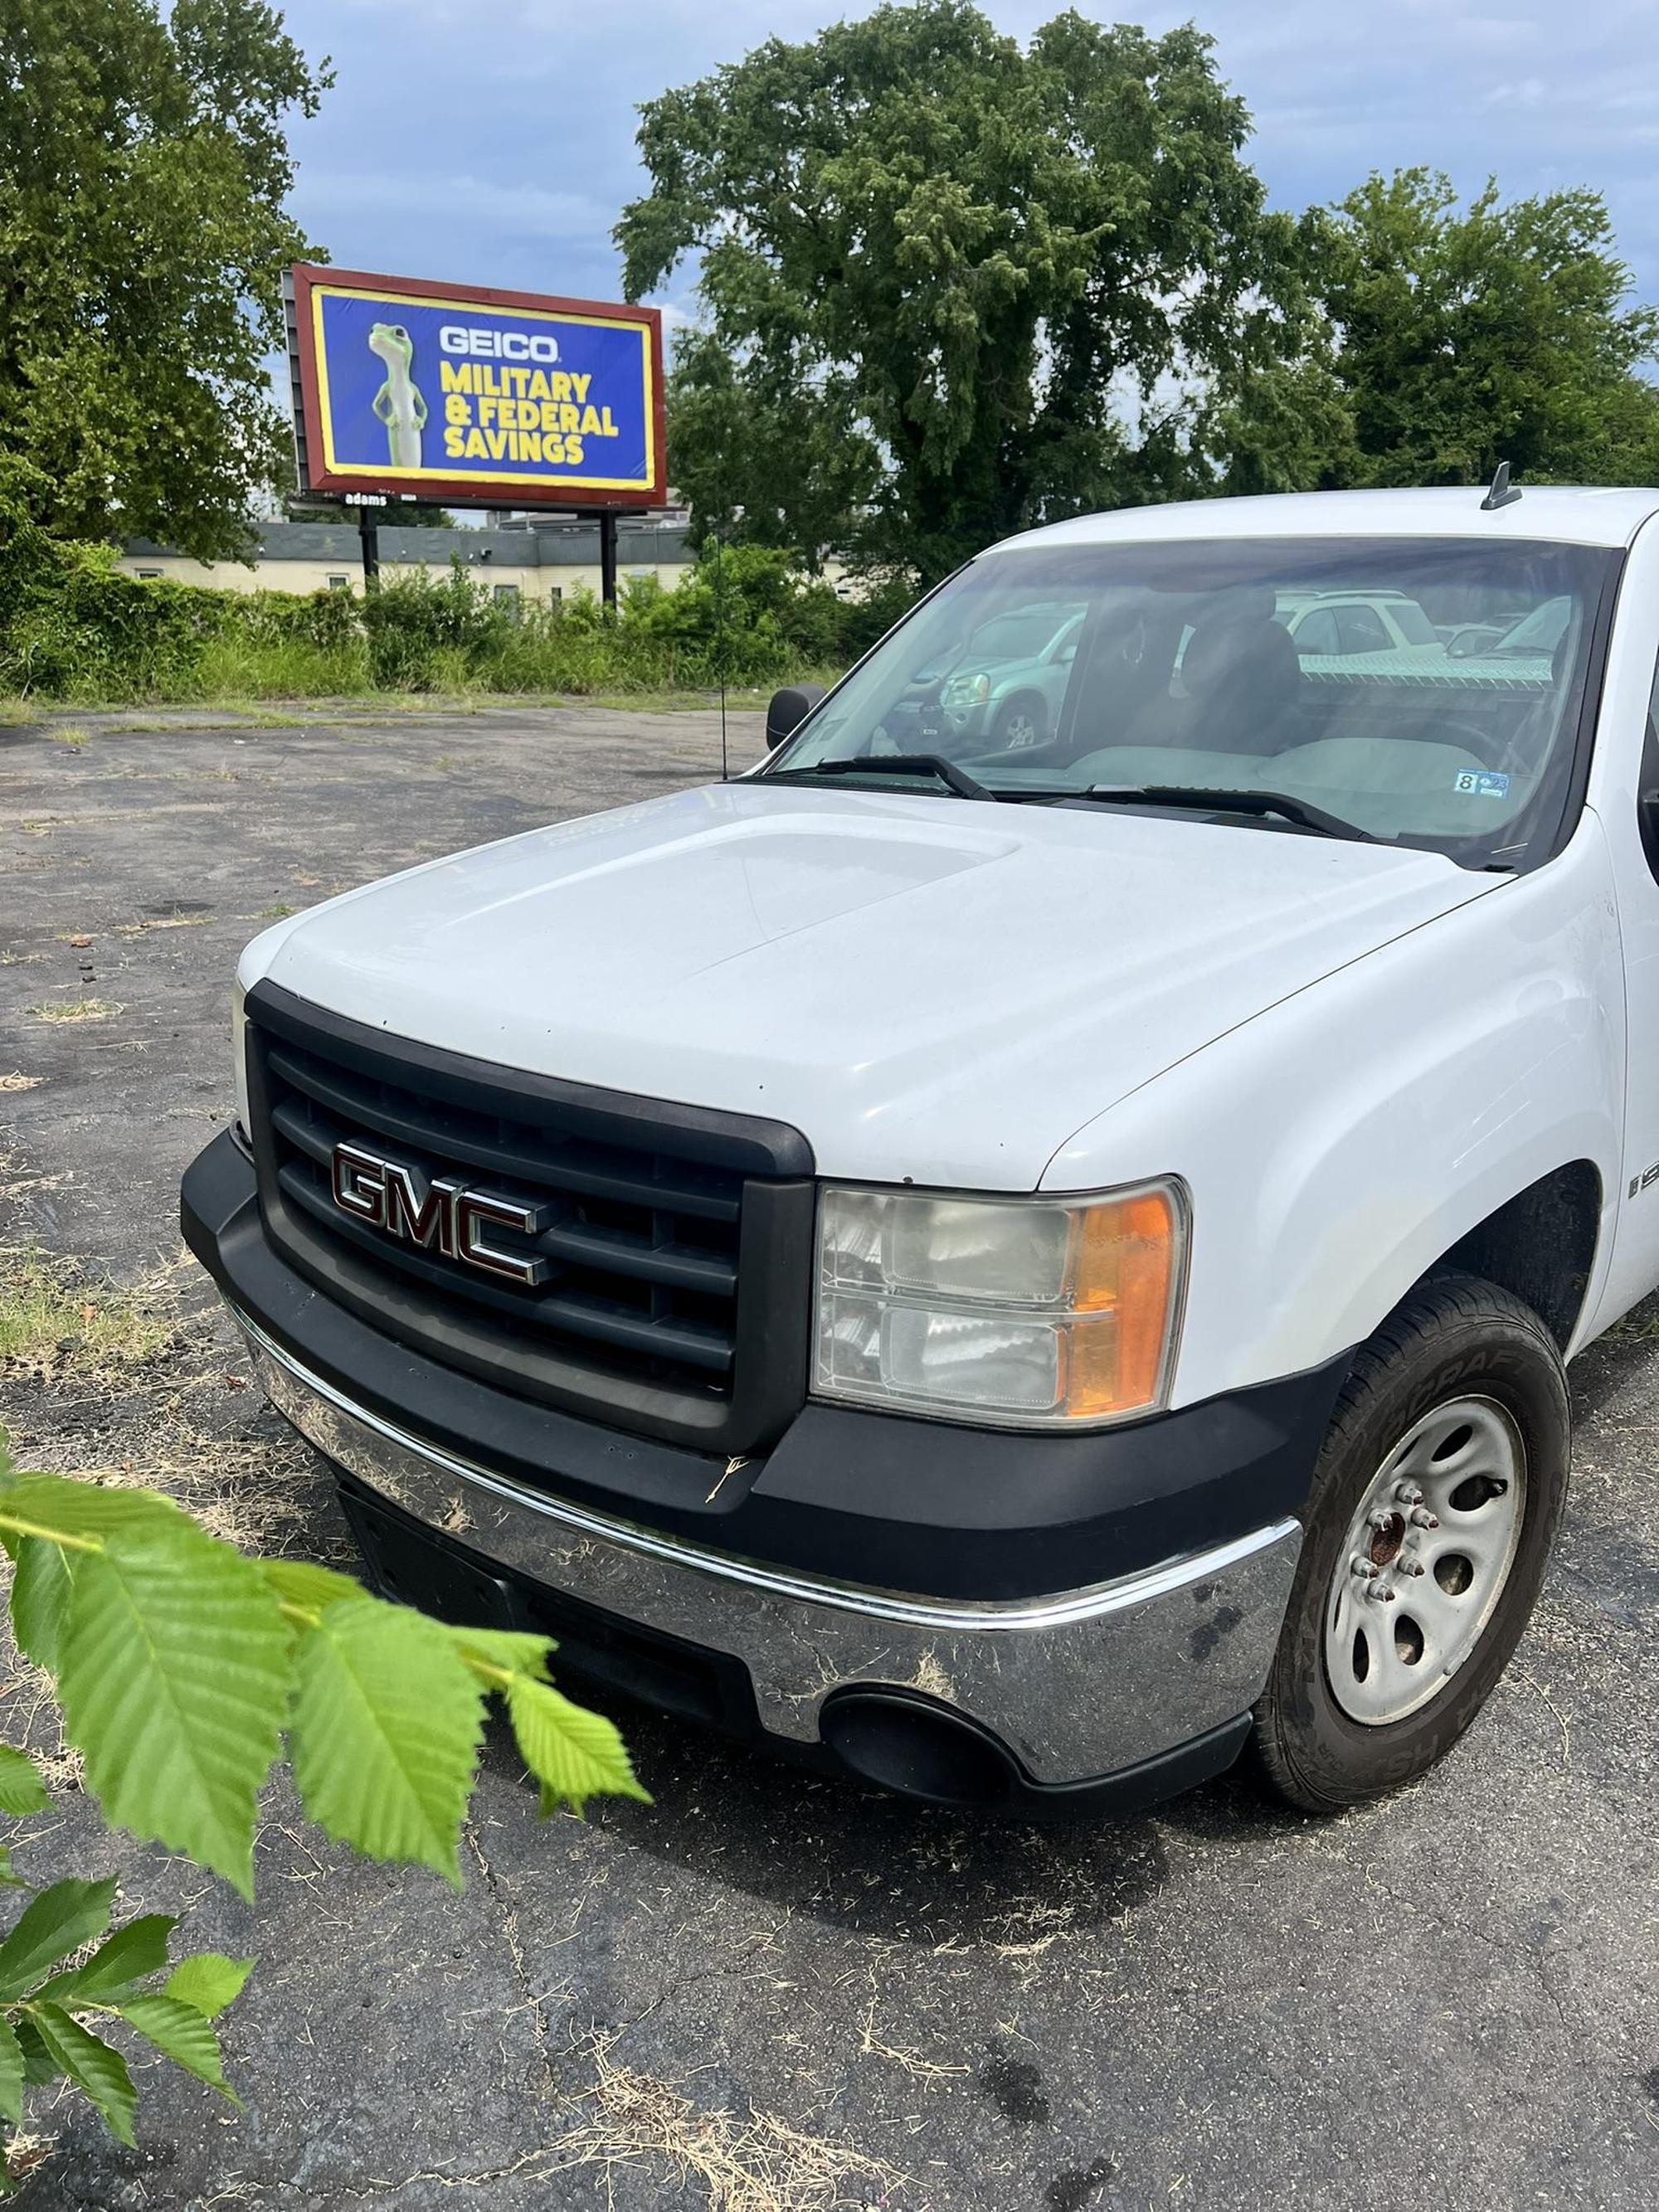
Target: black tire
{"points": [[1025, 713], [1457, 1336]]}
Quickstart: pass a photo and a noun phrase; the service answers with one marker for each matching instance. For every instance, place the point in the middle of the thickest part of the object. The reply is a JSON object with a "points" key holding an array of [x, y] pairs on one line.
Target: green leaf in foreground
{"points": [[21, 1790], [76, 1508], [11, 2074], [39, 1600], [574, 1754], [181, 2034], [519, 1650], [60, 1921], [174, 1677], [209, 1981], [39, 2067], [303, 1583], [385, 1734], [129, 1955], [92, 2065]]}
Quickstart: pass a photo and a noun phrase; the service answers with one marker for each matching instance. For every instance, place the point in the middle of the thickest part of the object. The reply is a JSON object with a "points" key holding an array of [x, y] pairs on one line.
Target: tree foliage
{"points": [[180, 1667], [1444, 339], [953, 287], [143, 172]]}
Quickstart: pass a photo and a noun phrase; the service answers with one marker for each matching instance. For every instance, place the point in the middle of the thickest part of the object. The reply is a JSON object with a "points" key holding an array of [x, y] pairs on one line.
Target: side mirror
{"points": [[789, 709]]}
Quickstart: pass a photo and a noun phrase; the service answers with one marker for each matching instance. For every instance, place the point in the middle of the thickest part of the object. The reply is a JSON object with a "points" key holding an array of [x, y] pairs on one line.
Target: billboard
{"points": [[473, 397]]}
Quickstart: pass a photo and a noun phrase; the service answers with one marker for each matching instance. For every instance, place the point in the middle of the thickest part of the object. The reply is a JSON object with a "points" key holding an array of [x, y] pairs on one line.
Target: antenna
{"points": [[1503, 492], [720, 643]]}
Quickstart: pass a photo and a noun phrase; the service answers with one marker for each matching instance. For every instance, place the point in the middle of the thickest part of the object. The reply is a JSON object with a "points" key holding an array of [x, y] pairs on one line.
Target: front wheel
{"points": [[1020, 724], [1433, 1510]]}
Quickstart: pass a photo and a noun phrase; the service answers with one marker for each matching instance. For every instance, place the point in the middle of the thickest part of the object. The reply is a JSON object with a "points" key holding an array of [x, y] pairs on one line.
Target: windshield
{"points": [[1323, 671]]}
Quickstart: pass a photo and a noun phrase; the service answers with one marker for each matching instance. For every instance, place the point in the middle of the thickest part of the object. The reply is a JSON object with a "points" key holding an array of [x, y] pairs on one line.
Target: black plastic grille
{"points": [[643, 1233]]}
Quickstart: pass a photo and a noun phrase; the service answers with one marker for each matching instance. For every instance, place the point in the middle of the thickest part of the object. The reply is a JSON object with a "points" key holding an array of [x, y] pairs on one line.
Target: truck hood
{"points": [[925, 988]]}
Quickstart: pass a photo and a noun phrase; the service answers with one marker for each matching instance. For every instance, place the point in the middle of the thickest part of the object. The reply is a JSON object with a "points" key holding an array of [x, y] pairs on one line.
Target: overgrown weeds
{"points": [[73, 627]]}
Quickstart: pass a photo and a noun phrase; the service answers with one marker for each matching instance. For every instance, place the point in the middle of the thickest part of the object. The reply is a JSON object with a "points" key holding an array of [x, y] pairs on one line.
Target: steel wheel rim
{"points": [[1425, 1561]]}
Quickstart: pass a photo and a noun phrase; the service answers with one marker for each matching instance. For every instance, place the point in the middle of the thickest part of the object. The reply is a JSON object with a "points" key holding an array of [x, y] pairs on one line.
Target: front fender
{"points": [[1340, 1143]]}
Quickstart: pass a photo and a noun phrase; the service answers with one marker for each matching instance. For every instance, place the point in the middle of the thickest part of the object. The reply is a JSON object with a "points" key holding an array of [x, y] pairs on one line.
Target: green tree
{"points": [[1441, 339], [144, 171], [979, 286]]}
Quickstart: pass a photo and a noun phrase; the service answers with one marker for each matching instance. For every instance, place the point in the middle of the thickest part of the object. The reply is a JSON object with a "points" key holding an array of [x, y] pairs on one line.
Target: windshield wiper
{"points": [[1305, 815], [947, 772]]}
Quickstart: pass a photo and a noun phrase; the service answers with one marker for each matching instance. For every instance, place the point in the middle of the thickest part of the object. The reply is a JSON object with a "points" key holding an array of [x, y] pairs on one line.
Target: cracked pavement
{"points": [[766, 1990]]}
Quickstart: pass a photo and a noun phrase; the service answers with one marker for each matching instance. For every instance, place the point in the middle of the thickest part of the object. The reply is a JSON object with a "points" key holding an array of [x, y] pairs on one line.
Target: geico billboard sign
{"points": [[496, 345]]}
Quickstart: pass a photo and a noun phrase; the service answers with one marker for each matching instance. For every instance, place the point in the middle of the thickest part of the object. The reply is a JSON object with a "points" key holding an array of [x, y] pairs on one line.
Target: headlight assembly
{"points": [[1018, 1312]]}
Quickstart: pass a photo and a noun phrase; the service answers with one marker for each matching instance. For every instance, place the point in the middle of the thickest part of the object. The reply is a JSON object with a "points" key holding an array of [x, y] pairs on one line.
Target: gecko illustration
{"points": [[399, 402]]}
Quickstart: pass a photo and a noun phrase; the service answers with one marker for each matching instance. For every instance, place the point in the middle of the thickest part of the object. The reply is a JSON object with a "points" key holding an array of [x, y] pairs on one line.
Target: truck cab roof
{"points": [[1565, 514]]}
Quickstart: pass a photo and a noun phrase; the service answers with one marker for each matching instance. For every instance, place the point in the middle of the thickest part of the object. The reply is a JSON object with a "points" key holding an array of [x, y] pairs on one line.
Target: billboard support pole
{"points": [[368, 529], [608, 556]]}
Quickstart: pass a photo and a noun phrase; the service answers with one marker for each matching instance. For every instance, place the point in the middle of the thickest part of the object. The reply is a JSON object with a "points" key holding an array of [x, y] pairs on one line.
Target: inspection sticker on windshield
{"points": [[1480, 783]]}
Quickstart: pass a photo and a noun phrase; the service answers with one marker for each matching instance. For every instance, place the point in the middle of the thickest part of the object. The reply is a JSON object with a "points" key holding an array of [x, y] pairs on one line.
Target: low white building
{"points": [[542, 560]]}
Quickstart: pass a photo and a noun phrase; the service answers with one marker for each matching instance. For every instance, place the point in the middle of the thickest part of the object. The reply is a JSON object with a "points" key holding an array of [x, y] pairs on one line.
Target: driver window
{"points": [[1361, 630], [1317, 634]]}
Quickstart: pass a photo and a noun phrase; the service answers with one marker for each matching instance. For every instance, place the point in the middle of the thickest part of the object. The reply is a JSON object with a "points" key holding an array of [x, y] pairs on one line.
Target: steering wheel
{"points": [[1473, 737]]}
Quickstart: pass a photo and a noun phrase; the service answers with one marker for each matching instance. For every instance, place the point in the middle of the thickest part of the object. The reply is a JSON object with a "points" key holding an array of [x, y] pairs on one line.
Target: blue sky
{"points": [[492, 141]]}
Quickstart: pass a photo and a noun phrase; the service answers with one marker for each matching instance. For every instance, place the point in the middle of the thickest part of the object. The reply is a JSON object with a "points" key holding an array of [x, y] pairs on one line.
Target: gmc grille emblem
{"points": [[437, 1213]]}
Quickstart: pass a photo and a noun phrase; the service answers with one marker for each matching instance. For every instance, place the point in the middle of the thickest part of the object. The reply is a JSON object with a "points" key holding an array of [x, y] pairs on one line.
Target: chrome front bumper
{"points": [[1077, 1687]]}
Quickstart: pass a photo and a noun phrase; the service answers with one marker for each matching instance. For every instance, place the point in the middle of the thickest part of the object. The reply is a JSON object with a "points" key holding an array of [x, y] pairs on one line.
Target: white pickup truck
{"points": [[1012, 1271]]}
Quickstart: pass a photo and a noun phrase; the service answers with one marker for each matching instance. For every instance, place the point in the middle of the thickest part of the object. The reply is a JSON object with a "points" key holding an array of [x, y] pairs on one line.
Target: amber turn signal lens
{"points": [[1123, 1274]]}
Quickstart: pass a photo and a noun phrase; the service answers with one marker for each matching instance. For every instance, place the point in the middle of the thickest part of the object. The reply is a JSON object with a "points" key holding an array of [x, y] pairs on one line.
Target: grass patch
{"points": [[78, 1010], [277, 913], [161, 922], [50, 1325], [70, 734]]}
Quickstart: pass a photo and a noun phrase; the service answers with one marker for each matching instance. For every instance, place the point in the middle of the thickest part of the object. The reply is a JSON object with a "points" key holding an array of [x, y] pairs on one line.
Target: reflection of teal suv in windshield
{"points": [[1006, 684], [1332, 624]]}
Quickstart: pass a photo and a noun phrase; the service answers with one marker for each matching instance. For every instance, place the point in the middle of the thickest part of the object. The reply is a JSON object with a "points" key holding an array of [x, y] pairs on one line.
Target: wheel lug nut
{"points": [[1361, 1565], [1412, 1566], [1408, 1493], [1422, 1518]]}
